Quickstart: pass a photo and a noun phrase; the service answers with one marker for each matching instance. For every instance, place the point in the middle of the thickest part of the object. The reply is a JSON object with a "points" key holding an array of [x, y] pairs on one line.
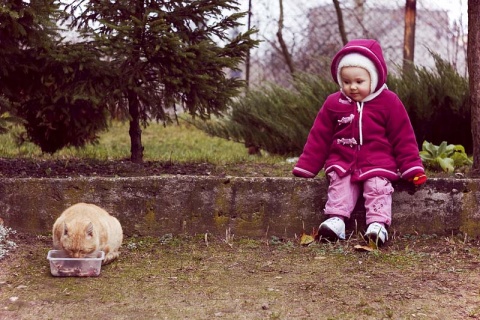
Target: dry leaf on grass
{"points": [[372, 246], [307, 239]]}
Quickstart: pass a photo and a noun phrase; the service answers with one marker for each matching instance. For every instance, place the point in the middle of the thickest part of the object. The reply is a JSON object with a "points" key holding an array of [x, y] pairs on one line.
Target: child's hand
{"points": [[419, 179], [302, 173]]}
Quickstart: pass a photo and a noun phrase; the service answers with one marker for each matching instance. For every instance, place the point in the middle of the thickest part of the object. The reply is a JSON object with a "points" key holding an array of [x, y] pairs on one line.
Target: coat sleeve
{"points": [[402, 138], [316, 148]]}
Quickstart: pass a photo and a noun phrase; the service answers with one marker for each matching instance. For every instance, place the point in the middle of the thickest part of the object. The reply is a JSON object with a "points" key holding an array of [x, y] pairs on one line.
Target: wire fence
{"points": [[310, 32]]}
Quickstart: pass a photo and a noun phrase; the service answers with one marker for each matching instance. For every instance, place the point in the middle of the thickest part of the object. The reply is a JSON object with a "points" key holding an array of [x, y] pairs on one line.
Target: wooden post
{"points": [[473, 51], [409, 35]]}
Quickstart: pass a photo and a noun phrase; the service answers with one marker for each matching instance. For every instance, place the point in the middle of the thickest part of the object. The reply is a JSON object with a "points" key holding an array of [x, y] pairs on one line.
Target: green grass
{"points": [[175, 143]]}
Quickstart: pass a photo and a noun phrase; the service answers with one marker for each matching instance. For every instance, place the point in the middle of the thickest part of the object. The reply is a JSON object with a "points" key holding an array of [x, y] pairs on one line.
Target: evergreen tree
{"points": [[25, 29], [56, 88], [166, 53], [67, 101], [274, 118]]}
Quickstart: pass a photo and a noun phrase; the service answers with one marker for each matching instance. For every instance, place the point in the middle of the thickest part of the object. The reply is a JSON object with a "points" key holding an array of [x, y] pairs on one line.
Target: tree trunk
{"points": [[247, 61], [473, 55], [341, 24], [283, 45], [409, 35], [135, 131]]}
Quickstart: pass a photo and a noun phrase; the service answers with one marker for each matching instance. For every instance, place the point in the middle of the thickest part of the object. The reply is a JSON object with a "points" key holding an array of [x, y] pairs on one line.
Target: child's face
{"points": [[355, 82]]}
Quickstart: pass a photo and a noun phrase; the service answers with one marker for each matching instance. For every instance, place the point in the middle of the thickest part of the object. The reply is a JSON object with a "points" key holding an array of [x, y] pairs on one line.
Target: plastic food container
{"points": [[63, 266]]}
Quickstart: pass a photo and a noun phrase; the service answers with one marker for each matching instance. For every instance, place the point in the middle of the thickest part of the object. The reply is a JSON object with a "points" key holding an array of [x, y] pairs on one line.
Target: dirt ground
{"points": [[36, 168], [203, 277]]}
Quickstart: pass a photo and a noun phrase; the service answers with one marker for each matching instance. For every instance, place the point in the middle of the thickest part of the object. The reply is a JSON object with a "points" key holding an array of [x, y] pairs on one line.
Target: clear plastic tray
{"points": [[63, 266]]}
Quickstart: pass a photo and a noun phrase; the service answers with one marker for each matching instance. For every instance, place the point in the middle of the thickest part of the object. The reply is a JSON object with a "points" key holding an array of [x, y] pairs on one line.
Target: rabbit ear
{"points": [[89, 229], [65, 229]]}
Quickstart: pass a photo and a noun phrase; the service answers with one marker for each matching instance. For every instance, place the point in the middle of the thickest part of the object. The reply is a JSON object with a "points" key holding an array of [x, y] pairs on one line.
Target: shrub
{"points": [[272, 117], [278, 119], [56, 125], [62, 99], [437, 103]]}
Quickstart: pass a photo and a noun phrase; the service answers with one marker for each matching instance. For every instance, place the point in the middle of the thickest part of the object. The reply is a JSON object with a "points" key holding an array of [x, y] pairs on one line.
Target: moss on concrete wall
{"points": [[247, 206]]}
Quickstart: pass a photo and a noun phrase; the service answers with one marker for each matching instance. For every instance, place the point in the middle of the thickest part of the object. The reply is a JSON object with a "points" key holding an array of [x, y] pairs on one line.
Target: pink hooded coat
{"points": [[365, 139]]}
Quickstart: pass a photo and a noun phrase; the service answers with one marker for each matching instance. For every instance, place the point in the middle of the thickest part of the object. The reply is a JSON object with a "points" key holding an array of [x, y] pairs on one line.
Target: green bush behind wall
{"points": [[278, 119]]}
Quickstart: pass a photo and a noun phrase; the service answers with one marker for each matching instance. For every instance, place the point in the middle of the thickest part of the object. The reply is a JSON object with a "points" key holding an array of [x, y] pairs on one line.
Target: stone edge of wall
{"points": [[246, 206]]}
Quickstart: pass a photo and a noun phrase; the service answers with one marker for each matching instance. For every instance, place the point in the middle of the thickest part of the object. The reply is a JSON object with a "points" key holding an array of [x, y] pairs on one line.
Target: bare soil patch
{"points": [[36, 168], [202, 277]]}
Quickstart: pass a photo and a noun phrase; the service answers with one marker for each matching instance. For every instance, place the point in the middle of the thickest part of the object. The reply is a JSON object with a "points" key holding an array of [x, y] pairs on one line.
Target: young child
{"points": [[363, 138]]}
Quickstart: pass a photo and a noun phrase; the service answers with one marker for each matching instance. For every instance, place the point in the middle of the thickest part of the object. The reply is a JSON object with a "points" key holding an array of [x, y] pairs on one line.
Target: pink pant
{"points": [[343, 195]]}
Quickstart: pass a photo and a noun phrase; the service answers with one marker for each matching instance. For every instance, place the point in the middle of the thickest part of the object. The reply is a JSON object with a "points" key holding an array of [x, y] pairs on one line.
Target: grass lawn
{"points": [[173, 143]]}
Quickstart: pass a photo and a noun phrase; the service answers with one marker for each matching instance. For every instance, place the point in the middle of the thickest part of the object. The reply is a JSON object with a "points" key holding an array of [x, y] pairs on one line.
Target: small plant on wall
{"points": [[444, 157]]}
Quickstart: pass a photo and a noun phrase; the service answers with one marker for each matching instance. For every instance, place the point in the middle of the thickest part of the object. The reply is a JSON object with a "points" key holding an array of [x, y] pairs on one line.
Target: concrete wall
{"points": [[251, 207]]}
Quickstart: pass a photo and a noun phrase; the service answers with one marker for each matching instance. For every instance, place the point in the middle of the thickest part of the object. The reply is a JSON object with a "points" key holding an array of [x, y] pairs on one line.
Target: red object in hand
{"points": [[419, 179]]}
